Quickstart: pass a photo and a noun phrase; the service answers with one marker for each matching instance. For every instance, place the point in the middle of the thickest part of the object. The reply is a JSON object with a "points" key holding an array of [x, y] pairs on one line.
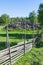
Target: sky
{"points": [[19, 8]]}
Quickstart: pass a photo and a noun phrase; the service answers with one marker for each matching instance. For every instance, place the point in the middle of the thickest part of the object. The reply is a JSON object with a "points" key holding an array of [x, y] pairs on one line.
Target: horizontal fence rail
{"points": [[15, 52]]}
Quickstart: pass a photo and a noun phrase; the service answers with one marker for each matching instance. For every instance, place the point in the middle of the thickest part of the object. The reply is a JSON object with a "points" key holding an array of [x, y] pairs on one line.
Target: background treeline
{"points": [[33, 17]]}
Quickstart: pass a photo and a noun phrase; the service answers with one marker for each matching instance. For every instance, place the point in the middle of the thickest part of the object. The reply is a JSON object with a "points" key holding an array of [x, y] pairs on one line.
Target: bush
{"points": [[35, 63]]}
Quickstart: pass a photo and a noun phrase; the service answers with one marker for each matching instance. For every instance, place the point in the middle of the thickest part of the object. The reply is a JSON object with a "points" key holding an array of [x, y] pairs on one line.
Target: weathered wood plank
{"points": [[16, 52]]}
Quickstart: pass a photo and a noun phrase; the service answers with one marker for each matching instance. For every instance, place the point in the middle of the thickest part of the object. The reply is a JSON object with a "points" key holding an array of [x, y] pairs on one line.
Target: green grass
{"points": [[34, 57], [15, 36]]}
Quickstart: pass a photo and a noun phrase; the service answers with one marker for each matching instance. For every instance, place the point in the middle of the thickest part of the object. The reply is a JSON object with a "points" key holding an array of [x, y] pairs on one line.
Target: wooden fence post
{"points": [[7, 40], [24, 47], [24, 37]]}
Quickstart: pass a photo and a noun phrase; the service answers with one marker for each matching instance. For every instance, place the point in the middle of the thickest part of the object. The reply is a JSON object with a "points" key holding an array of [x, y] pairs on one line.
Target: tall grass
{"points": [[34, 57]]}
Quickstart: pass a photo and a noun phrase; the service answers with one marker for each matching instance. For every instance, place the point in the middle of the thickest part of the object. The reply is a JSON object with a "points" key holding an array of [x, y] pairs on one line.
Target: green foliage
{"points": [[39, 43], [40, 14], [15, 36], [34, 57], [19, 19], [32, 17], [4, 18]]}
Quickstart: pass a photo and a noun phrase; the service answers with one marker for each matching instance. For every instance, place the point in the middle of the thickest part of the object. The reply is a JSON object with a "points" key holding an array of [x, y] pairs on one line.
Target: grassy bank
{"points": [[34, 57], [15, 36]]}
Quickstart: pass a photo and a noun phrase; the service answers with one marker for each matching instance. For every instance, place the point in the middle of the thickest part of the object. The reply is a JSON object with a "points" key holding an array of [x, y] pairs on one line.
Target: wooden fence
{"points": [[15, 52]]}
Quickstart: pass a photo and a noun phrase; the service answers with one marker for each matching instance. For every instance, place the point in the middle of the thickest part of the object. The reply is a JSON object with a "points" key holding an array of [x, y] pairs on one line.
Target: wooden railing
{"points": [[15, 52]]}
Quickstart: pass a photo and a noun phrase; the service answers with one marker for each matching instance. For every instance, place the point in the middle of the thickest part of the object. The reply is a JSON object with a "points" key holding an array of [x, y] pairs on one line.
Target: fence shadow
{"points": [[3, 45], [18, 36]]}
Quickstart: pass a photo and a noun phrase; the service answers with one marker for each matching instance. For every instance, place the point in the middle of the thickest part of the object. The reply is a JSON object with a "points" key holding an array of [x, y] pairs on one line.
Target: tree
{"points": [[32, 16], [4, 18], [40, 14]]}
